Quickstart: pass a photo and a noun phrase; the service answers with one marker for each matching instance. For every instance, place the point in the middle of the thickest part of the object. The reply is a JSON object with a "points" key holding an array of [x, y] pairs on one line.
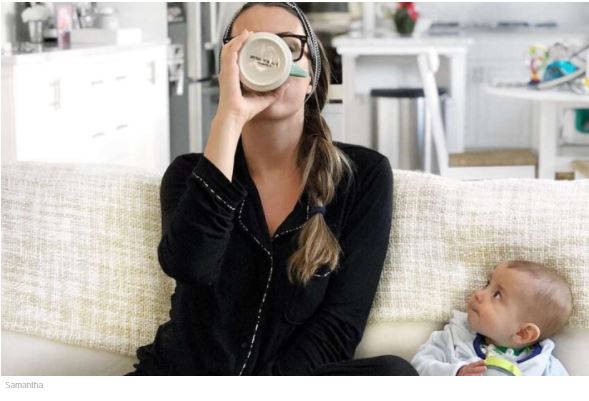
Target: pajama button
{"points": [[243, 345]]}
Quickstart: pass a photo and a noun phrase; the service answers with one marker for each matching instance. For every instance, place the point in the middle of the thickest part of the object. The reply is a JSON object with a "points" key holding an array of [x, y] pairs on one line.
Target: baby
{"points": [[513, 316]]}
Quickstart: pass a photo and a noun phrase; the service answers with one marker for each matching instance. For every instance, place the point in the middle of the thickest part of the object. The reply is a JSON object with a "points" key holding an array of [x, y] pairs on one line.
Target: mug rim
{"points": [[284, 69]]}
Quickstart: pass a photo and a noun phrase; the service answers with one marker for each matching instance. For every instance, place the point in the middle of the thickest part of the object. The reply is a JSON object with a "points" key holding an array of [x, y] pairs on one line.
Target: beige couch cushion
{"points": [[79, 252], [448, 234], [79, 255], [27, 355]]}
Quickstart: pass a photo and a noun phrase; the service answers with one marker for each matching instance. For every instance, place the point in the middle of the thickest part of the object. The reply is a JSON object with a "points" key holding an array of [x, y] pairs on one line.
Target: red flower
{"points": [[409, 7]]}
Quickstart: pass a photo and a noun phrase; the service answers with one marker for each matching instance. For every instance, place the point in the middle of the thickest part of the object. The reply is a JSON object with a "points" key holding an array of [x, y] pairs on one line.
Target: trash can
{"points": [[398, 125]]}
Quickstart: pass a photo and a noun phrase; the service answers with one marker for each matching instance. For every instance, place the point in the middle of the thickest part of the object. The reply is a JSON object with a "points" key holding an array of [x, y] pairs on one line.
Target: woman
{"points": [[276, 236]]}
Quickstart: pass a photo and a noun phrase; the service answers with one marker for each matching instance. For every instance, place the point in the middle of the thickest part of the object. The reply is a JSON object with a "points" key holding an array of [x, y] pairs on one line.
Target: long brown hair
{"points": [[323, 167]]}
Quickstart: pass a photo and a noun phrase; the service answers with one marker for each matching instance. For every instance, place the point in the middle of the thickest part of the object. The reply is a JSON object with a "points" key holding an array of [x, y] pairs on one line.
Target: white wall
{"points": [[567, 15], [152, 18], [8, 30]]}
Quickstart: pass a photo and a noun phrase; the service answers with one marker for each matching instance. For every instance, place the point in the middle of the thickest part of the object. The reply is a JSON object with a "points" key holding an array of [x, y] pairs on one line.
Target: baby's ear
{"points": [[528, 333]]}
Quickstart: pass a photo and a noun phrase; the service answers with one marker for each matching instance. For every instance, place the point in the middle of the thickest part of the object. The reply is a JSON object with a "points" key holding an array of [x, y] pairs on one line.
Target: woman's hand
{"points": [[477, 368], [233, 104], [235, 108]]}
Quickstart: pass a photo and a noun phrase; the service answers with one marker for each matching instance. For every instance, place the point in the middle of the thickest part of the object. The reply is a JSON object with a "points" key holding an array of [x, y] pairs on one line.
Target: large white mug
{"points": [[265, 62]]}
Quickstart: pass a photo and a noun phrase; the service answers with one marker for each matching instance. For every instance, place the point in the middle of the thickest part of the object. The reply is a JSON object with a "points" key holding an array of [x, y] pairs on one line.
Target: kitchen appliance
{"points": [[194, 30], [35, 31]]}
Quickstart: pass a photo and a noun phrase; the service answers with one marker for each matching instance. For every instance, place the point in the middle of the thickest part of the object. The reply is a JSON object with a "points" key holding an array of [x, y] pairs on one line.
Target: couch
{"points": [[82, 287]]}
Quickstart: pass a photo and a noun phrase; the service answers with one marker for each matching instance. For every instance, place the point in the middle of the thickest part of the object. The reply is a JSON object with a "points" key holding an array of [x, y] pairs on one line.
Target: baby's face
{"points": [[495, 311]]}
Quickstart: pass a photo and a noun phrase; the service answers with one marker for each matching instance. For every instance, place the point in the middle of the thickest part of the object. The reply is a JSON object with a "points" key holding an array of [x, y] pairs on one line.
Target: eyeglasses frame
{"points": [[302, 38]]}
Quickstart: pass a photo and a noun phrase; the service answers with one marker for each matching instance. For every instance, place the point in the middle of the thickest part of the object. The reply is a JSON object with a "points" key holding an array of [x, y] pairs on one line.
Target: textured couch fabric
{"points": [[81, 281], [79, 255], [447, 235]]}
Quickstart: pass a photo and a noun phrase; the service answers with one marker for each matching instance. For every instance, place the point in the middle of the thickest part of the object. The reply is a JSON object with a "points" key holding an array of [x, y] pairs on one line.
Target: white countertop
{"points": [[547, 95], [52, 52]]}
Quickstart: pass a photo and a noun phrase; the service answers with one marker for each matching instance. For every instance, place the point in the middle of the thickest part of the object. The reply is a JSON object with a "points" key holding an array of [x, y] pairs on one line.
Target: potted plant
{"points": [[405, 18]]}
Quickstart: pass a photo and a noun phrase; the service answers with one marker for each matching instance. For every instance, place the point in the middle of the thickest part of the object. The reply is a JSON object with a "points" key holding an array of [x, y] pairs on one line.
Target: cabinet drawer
{"points": [[105, 107], [109, 146]]}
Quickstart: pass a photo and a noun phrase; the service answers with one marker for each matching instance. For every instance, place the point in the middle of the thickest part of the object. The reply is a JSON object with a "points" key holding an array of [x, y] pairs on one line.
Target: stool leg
{"points": [[427, 143]]}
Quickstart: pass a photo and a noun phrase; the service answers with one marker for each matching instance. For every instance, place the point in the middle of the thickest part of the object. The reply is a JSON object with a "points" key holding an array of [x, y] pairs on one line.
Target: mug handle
{"points": [[298, 71]]}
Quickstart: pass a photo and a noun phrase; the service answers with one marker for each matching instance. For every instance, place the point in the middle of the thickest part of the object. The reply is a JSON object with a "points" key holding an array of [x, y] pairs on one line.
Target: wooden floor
{"points": [[506, 157]]}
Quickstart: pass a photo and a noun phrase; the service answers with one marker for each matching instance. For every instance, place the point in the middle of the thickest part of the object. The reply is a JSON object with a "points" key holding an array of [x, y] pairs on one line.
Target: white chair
{"points": [[512, 163]]}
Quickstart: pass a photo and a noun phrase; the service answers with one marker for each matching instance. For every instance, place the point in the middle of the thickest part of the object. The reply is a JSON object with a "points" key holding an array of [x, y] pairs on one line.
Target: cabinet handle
{"points": [[94, 83], [151, 67], [121, 77], [122, 126], [56, 104], [98, 134], [58, 94], [52, 85]]}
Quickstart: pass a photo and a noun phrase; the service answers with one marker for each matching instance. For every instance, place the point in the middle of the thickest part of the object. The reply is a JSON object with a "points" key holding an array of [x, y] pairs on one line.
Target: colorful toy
{"points": [[538, 59], [500, 366]]}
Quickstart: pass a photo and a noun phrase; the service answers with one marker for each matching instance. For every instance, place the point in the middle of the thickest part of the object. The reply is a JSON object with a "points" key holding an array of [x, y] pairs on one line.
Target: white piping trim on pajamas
{"points": [[294, 229], [267, 282], [212, 191], [265, 291], [323, 275]]}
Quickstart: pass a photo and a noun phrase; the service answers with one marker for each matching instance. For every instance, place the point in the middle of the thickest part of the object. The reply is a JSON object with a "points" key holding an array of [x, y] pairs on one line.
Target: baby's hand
{"points": [[477, 368]]}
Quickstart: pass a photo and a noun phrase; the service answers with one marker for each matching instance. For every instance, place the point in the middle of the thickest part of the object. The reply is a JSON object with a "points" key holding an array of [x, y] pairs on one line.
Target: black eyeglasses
{"points": [[296, 44]]}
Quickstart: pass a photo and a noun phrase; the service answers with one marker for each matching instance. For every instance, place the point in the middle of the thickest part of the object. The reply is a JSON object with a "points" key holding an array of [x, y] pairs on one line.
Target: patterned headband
{"points": [[312, 42]]}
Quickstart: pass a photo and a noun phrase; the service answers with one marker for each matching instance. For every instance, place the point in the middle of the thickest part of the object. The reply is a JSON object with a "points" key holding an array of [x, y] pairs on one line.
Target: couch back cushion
{"points": [[80, 266], [79, 255], [447, 235]]}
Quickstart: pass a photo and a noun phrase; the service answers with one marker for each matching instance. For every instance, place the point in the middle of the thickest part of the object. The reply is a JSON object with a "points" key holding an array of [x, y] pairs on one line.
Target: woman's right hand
{"points": [[235, 108], [233, 103]]}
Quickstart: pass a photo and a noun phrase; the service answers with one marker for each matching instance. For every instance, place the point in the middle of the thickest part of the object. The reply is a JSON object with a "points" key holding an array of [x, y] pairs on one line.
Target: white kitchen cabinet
{"points": [[37, 118], [153, 85], [105, 105]]}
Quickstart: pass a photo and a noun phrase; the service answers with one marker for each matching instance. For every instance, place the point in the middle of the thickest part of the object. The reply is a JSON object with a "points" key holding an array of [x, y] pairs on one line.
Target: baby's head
{"points": [[522, 303]]}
